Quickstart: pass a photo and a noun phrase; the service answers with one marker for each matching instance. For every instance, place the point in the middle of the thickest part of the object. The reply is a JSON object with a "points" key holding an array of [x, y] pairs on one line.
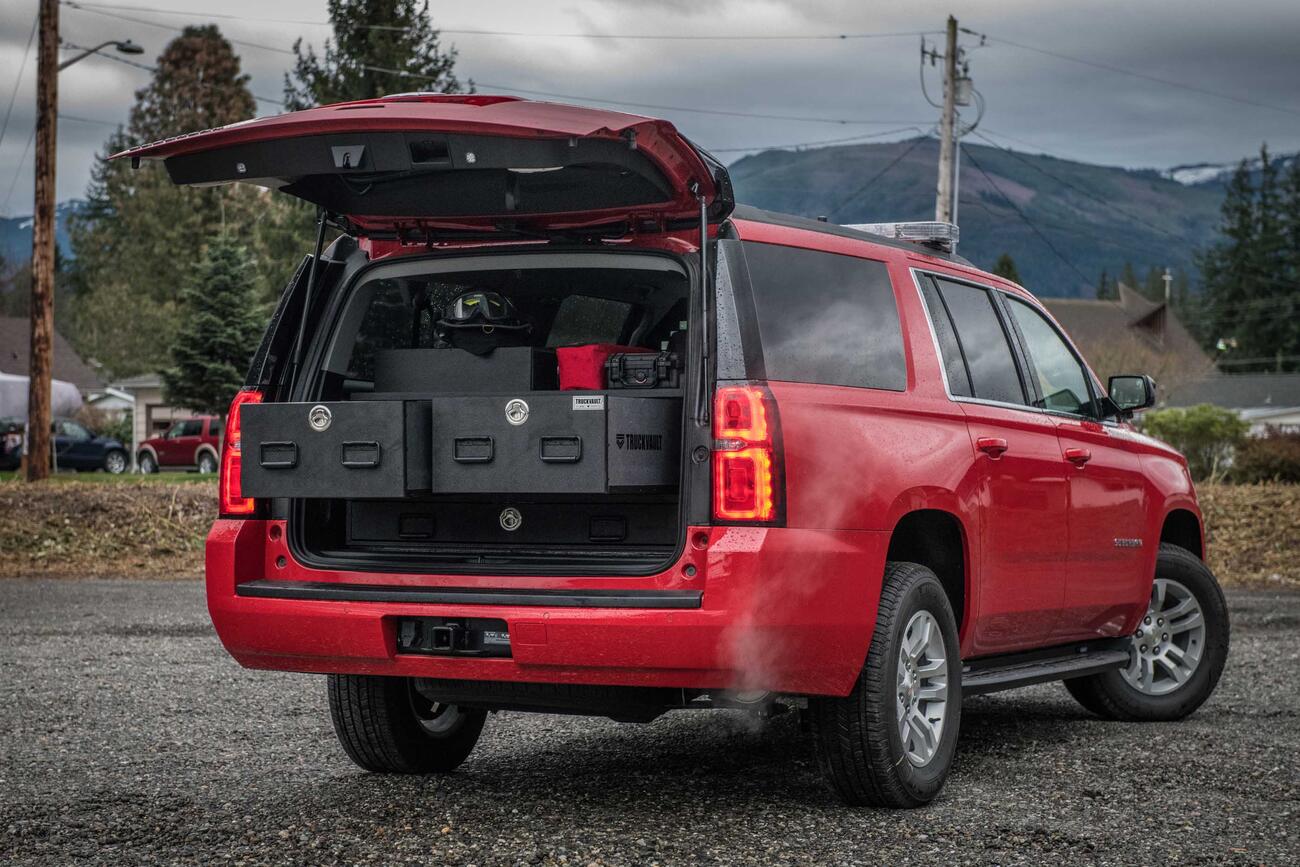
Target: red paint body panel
{"points": [[184, 451], [783, 609]]}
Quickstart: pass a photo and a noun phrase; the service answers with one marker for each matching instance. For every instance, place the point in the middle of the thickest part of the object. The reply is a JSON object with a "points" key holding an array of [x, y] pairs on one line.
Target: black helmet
{"points": [[486, 310], [480, 322]]}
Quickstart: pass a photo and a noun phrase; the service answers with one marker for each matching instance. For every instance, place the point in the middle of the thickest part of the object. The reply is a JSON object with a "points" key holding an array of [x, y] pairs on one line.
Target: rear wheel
{"points": [[1177, 653], [386, 726], [207, 463], [148, 463], [890, 742]]}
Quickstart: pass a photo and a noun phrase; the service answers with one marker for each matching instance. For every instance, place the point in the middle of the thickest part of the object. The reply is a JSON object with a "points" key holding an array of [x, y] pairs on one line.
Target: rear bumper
{"points": [[767, 608]]}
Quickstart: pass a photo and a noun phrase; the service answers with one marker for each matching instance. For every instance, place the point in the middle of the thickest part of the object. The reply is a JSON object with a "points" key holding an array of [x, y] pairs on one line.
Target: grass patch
{"points": [[99, 478]]}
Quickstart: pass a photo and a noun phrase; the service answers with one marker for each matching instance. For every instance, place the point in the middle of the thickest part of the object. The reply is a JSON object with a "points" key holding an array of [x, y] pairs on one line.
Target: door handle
{"points": [[994, 447], [1078, 456]]}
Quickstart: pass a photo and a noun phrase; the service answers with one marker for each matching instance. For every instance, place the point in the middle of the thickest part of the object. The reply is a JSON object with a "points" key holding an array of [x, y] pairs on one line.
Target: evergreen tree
{"points": [[138, 232], [1006, 267], [1106, 290], [220, 325], [1129, 278], [1226, 267], [379, 47]]}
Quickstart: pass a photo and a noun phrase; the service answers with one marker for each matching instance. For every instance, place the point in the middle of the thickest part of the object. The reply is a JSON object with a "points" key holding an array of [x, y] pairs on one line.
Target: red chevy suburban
{"points": [[552, 425]]}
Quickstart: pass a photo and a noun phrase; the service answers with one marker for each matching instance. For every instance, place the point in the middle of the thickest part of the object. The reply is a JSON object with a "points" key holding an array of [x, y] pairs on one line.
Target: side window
{"points": [[954, 366], [215, 426], [1061, 378], [984, 345], [74, 431], [826, 318]]}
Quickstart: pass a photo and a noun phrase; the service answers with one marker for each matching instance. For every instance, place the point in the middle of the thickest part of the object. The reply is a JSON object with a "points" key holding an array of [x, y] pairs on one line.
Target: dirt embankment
{"points": [[92, 529], [149, 529]]}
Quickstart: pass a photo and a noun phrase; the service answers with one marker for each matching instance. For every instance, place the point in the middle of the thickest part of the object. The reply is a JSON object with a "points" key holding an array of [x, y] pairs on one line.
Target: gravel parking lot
{"points": [[129, 735]]}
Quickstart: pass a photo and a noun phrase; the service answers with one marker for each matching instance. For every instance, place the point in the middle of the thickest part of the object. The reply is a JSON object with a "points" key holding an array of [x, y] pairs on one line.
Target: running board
{"points": [[1013, 670]]}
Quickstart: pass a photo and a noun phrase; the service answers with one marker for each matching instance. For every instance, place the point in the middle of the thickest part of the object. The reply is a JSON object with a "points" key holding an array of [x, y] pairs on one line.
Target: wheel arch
{"points": [[937, 539], [1182, 527], [146, 449], [206, 448]]}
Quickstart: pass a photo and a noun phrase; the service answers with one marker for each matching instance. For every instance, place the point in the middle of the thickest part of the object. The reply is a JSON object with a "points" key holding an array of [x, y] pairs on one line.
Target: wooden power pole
{"points": [[40, 369], [945, 200]]}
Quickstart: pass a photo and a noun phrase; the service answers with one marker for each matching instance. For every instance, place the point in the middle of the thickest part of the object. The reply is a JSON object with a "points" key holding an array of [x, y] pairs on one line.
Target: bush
{"points": [[1207, 435], [1273, 457]]}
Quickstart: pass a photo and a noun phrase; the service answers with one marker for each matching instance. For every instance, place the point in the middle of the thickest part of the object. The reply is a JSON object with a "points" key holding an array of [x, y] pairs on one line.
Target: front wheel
{"points": [[890, 742], [1177, 653], [386, 726]]}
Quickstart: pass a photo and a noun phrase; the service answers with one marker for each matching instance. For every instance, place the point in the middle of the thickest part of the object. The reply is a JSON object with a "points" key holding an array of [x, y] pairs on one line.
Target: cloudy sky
{"points": [[837, 88]]}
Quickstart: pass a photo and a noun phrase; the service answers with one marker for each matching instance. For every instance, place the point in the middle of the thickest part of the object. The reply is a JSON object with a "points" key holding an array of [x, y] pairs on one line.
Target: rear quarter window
{"points": [[826, 318]]}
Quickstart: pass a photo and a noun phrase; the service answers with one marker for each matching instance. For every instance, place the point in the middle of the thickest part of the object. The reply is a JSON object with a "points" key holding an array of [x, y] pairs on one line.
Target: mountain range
{"points": [[1062, 222]]}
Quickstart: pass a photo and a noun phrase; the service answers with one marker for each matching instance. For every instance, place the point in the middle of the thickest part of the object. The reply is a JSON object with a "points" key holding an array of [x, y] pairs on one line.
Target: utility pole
{"points": [[40, 370], [945, 203]]}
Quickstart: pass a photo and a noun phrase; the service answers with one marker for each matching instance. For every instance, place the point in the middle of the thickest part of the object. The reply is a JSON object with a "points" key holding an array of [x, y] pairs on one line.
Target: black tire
{"points": [[1110, 696], [148, 463], [857, 739], [378, 722], [114, 466]]}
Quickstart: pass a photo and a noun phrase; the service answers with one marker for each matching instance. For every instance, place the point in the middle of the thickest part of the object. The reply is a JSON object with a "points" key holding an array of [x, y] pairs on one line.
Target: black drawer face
{"points": [[530, 443], [359, 449]]}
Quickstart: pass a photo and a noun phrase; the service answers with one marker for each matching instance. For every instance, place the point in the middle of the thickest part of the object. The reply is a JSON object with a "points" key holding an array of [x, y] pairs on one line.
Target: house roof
{"points": [[1092, 321], [15, 350], [1239, 391], [143, 380]]}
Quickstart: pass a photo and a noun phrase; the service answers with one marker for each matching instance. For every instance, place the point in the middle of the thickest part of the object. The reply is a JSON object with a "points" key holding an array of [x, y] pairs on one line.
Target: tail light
{"points": [[233, 504], [746, 457]]}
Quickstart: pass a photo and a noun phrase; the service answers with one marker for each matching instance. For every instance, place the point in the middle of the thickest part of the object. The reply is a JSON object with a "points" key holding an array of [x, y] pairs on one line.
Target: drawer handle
{"points": [[561, 450], [473, 450], [362, 455], [278, 455]]}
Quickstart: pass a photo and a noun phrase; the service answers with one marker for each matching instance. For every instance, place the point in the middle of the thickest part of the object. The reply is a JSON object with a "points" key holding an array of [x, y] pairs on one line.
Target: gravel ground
{"points": [[129, 735]]}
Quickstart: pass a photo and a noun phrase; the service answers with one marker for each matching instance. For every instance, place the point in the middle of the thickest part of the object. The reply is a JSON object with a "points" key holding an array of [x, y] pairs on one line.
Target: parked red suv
{"points": [[553, 426], [189, 444]]}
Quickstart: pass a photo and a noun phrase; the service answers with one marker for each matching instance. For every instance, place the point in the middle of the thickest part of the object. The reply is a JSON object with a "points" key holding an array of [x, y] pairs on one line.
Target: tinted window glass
{"points": [[1060, 376], [954, 366], [989, 361], [215, 426], [826, 318]]}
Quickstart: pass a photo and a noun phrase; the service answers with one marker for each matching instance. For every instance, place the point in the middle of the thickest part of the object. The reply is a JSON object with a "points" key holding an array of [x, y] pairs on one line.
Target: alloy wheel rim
{"points": [[921, 700], [1169, 642], [116, 463]]}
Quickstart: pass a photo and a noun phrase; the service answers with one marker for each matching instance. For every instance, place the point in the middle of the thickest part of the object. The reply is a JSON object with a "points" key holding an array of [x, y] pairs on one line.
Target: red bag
{"points": [[583, 367]]}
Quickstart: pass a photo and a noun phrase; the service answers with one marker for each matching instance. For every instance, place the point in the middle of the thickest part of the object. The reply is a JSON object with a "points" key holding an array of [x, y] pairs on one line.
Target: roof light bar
{"points": [[942, 236]]}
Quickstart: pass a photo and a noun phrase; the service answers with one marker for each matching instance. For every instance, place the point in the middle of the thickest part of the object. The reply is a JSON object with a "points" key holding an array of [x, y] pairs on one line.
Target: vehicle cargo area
{"points": [[468, 416]]}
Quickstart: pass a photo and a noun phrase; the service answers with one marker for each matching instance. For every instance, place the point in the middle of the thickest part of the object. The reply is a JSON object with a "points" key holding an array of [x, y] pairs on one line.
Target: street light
{"points": [[125, 46]]}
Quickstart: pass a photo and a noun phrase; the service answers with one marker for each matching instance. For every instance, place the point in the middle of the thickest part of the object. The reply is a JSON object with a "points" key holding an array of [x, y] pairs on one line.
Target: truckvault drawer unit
{"points": [[357, 449], [394, 445]]}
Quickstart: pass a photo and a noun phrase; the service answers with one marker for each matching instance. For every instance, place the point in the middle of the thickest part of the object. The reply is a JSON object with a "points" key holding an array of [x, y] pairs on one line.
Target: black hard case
{"points": [[455, 371]]}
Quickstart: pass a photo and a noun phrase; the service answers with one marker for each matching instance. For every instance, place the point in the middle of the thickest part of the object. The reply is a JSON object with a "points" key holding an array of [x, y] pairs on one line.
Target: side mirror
{"points": [[1132, 393]]}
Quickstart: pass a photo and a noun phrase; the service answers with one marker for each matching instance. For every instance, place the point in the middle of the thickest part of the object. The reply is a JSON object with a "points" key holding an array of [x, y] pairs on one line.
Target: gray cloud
{"points": [[1244, 48]]}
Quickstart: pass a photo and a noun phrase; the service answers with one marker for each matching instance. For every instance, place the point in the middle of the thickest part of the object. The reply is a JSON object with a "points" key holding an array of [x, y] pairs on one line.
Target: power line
{"points": [[148, 68], [1082, 190], [470, 31], [75, 119], [18, 79], [877, 176], [22, 160], [1145, 76], [161, 26], [1021, 214], [809, 144]]}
